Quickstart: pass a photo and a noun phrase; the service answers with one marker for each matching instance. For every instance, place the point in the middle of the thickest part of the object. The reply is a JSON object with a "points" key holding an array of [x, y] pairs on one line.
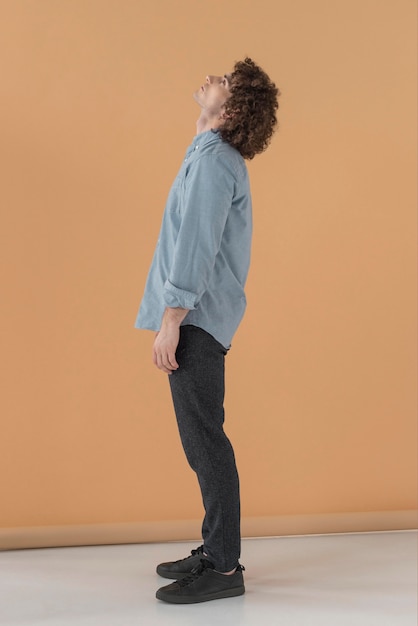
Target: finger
{"points": [[165, 369], [172, 361], [162, 367], [165, 359], [167, 362], [162, 363]]}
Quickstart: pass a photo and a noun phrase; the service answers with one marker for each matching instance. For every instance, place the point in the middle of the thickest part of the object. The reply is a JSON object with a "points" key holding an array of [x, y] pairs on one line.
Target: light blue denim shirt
{"points": [[203, 252]]}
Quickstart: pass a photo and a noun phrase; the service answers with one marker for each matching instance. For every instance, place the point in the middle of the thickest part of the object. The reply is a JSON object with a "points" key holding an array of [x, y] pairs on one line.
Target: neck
{"points": [[206, 122]]}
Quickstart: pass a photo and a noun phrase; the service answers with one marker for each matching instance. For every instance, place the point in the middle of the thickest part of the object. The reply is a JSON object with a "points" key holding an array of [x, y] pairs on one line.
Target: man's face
{"points": [[213, 94]]}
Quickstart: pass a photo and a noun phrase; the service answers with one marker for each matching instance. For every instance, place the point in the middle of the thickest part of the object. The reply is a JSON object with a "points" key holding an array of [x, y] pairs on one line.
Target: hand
{"points": [[164, 349], [167, 340]]}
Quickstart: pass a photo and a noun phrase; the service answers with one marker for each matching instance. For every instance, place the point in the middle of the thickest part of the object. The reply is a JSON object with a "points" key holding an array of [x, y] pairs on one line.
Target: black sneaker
{"points": [[178, 569], [203, 584]]}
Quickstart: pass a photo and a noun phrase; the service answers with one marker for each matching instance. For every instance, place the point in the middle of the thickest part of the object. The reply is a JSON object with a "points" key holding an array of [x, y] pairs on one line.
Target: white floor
{"points": [[362, 579]]}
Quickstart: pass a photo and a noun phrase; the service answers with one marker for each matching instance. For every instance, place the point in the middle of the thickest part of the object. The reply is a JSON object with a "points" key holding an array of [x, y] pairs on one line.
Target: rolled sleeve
{"points": [[179, 298]]}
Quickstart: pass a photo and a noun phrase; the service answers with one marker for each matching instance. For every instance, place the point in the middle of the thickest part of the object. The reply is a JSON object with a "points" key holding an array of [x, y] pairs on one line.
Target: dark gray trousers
{"points": [[198, 388]]}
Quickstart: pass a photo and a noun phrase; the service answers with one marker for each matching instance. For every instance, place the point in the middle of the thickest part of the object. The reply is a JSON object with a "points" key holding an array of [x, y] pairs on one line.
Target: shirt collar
{"points": [[203, 138]]}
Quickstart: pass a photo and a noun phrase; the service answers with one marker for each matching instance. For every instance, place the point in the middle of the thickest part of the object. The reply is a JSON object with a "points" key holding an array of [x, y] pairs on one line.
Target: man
{"points": [[194, 298]]}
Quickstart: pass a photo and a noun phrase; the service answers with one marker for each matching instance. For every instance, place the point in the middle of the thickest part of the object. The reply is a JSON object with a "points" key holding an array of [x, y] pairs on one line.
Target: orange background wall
{"points": [[96, 114]]}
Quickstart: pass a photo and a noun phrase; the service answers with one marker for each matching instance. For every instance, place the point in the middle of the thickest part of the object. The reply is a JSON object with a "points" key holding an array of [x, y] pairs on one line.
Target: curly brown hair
{"points": [[250, 111]]}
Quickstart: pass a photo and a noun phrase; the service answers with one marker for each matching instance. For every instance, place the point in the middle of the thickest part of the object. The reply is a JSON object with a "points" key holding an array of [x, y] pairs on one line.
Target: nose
{"points": [[212, 79]]}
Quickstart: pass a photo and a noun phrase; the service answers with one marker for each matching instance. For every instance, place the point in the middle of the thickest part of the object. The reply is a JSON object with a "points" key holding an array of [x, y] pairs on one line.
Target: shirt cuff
{"points": [[179, 298]]}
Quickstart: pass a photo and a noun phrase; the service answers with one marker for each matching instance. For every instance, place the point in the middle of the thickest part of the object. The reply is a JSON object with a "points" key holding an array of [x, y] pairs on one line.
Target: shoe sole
{"points": [[179, 599]]}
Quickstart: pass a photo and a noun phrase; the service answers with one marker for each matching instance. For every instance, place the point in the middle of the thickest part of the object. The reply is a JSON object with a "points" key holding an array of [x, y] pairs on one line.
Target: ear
{"points": [[228, 116]]}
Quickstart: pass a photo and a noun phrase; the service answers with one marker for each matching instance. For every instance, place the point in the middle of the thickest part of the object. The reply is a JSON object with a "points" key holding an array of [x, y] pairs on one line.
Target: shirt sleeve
{"points": [[207, 200]]}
